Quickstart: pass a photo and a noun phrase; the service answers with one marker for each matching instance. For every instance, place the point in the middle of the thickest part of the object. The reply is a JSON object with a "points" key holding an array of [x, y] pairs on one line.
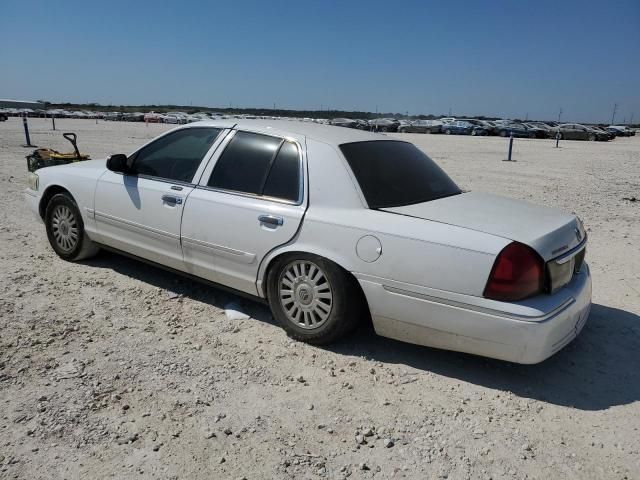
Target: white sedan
{"points": [[329, 225]]}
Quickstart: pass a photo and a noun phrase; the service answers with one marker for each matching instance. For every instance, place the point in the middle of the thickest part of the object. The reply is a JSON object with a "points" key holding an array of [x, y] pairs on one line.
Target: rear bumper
{"points": [[433, 322]]}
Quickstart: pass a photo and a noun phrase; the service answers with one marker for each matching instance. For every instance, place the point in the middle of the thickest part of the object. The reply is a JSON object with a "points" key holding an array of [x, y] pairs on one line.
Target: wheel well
{"points": [[48, 195], [272, 262]]}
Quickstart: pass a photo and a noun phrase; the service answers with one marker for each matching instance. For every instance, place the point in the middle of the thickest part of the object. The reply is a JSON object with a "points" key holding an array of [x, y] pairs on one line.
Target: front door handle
{"points": [[271, 220], [172, 200]]}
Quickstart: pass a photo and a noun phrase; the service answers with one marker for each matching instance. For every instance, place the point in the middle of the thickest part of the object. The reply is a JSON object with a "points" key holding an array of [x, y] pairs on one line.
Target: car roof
{"points": [[329, 134]]}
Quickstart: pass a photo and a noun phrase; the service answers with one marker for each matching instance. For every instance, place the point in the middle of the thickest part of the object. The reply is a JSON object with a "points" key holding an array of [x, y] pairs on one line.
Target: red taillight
{"points": [[518, 273]]}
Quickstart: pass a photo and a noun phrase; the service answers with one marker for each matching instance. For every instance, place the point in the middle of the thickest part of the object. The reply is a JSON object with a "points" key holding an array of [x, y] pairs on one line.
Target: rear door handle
{"points": [[171, 199], [271, 220]]}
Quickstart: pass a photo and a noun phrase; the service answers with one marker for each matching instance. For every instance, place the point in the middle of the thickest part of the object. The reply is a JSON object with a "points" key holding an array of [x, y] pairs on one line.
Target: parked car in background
{"points": [[448, 119], [621, 130], [421, 126], [3, 117], [343, 122], [506, 129], [603, 130], [384, 124], [576, 131], [550, 130], [536, 131], [133, 117], [153, 117], [329, 225], [362, 124], [460, 127], [480, 124]]}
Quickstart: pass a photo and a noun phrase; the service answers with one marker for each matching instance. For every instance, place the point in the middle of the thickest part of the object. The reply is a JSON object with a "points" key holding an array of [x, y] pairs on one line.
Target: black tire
{"points": [[74, 250], [503, 133], [346, 305], [447, 131], [592, 137]]}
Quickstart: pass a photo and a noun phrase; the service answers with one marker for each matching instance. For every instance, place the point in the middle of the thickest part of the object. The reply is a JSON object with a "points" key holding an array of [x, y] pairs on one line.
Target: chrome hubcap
{"points": [[64, 227], [305, 294]]}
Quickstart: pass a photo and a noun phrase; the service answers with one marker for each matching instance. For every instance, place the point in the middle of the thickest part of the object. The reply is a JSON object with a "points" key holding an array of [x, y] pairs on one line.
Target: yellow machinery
{"points": [[46, 157]]}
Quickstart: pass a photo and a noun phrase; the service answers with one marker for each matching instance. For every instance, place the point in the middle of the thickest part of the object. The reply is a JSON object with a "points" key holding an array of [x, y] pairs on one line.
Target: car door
{"points": [[582, 132], [250, 200], [571, 132], [140, 212]]}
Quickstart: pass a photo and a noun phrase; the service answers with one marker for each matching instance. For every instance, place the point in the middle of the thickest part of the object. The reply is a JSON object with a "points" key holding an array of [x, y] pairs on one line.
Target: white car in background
{"points": [[329, 224]]}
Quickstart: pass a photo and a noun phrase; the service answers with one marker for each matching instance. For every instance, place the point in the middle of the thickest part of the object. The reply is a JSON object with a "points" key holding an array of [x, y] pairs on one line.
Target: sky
{"points": [[511, 59]]}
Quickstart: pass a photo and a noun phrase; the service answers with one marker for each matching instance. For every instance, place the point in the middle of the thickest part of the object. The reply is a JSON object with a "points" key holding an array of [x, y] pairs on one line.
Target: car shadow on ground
{"points": [[596, 371]]}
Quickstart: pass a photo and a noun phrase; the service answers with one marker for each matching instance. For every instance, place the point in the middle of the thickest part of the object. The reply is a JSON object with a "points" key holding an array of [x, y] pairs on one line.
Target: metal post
{"points": [[53, 121], [26, 131], [510, 148]]}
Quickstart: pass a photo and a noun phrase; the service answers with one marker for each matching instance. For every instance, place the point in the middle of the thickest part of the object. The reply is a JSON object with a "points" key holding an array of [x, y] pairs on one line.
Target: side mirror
{"points": [[118, 163]]}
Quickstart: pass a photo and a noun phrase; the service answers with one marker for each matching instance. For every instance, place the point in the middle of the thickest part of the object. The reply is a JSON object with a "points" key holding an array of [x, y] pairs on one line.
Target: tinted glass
{"points": [[284, 178], [392, 173], [244, 164], [175, 156]]}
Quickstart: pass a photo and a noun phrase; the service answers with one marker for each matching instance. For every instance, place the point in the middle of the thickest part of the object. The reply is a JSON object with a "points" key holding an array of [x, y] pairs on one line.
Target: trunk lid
{"points": [[548, 231]]}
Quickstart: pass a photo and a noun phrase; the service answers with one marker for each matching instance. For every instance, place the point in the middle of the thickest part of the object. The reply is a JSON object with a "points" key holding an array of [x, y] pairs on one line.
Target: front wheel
{"points": [[65, 229], [447, 132], [313, 299]]}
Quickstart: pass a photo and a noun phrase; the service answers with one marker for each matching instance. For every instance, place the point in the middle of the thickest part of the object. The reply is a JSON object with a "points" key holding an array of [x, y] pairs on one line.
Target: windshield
{"points": [[393, 173]]}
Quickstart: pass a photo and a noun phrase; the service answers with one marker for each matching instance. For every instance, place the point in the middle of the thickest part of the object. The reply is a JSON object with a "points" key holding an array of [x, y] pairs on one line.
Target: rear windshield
{"points": [[393, 173]]}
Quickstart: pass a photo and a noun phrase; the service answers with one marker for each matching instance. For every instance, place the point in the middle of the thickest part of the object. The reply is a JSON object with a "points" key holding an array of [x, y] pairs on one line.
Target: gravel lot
{"points": [[114, 369]]}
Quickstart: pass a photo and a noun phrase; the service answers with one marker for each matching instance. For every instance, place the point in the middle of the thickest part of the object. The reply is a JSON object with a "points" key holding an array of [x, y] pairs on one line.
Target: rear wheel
{"points": [[447, 131], [315, 300], [503, 133], [592, 137], [65, 229]]}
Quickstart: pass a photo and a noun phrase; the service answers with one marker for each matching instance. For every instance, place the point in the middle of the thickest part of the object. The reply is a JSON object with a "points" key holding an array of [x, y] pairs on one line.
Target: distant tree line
{"points": [[278, 112], [259, 112]]}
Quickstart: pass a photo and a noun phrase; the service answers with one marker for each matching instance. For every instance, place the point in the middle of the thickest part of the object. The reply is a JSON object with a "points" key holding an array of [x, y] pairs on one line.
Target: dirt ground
{"points": [[113, 369]]}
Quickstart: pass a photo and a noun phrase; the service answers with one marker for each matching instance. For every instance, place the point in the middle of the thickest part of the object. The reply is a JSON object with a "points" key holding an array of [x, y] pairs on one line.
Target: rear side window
{"points": [[177, 155], [283, 180], [393, 173], [260, 165], [245, 162]]}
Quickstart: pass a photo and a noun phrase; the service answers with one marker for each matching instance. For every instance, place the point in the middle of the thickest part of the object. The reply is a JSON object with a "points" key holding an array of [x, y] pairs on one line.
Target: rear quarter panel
{"points": [[413, 251]]}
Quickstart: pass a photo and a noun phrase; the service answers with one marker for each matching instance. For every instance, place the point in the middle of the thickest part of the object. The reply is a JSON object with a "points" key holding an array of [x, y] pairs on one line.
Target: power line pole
{"points": [[631, 120], [559, 114], [615, 108]]}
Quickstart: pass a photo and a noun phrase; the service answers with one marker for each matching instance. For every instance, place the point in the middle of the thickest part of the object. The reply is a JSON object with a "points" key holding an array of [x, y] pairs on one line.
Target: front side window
{"points": [[175, 156], [259, 165], [393, 173]]}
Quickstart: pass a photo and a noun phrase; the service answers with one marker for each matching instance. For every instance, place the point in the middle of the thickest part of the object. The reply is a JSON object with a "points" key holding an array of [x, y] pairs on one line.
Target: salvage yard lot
{"points": [[114, 369]]}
